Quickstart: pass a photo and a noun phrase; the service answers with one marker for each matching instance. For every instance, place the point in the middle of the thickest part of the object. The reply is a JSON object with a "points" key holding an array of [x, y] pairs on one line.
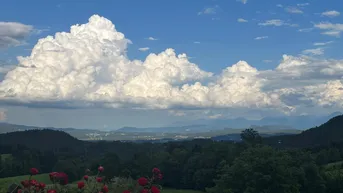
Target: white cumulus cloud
{"points": [[89, 66], [13, 34]]}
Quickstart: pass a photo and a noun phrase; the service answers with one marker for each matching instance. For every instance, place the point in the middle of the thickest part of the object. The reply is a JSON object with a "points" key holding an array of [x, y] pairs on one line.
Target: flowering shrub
{"points": [[89, 184], [149, 184]]}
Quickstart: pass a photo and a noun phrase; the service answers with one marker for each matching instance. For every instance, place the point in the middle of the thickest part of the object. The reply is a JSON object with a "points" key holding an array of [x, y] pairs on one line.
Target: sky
{"points": [[108, 64]]}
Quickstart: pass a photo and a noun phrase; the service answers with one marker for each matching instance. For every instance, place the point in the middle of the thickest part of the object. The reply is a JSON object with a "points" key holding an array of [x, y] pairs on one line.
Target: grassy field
{"points": [[5, 157], [5, 182]]}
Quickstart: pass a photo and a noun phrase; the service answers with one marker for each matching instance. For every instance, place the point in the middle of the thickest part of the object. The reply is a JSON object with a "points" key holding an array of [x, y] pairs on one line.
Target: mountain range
{"points": [[326, 134], [300, 122], [223, 128], [205, 125]]}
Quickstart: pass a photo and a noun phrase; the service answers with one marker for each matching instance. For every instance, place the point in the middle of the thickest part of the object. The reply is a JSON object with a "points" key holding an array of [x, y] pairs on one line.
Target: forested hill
{"points": [[323, 135], [40, 139], [46, 140]]}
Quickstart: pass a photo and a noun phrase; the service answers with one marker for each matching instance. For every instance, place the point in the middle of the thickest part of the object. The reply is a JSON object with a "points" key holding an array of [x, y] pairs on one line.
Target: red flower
{"points": [[80, 185], [156, 171], [105, 188], [53, 175], [34, 171], [33, 182], [159, 176], [98, 179], [126, 191], [41, 185], [62, 178], [100, 169], [145, 191], [85, 177], [37, 189], [142, 181], [20, 191], [25, 183], [154, 189], [51, 191]]}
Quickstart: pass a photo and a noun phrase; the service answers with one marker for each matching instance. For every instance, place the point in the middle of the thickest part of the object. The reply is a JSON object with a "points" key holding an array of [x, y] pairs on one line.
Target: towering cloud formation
{"points": [[89, 66]]}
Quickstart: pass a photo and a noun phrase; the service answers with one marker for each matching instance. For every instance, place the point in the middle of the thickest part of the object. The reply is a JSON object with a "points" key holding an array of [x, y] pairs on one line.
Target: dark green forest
{"points": [[308, 162]]}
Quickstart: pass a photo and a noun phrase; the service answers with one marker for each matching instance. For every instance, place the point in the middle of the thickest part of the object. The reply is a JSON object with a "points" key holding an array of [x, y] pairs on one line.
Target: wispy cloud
{"points": [[306, 30], [276, 22], [332, 13], [209, 10], [152, 38], [176, 113], [261, 37], [216, 116], [294, 10], [196, 42], [316, 51], [331, 28], [267, 61], [279, 5], [144, 49], [39, 31], [303, 4], [273, 22], [332, 33], [241, 20], [322, 43], [243, 1]]}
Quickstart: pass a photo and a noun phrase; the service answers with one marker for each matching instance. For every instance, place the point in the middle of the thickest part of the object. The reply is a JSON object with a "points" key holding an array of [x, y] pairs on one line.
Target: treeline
{"points": [[217, 167]]}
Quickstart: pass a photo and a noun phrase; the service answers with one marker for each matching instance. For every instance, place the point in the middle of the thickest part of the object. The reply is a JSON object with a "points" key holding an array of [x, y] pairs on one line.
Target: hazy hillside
{"points": [[325, 134]]}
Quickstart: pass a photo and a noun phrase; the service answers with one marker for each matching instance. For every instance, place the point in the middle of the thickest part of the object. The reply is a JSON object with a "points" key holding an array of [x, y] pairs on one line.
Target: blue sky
{"points": [[215, 34], [177, 24]]}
